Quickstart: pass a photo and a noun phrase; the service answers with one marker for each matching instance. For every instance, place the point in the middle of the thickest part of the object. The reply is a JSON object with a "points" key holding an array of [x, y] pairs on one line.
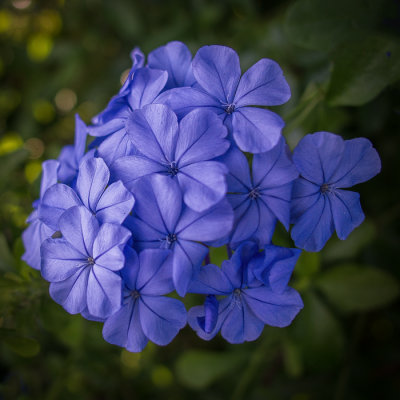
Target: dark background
{"points": [[342, 61]]}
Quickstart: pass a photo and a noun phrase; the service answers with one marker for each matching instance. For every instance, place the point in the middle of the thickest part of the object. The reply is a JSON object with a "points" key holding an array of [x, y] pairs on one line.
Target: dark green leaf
{"points": [[358, 288], [198, 369], [25, 347]]}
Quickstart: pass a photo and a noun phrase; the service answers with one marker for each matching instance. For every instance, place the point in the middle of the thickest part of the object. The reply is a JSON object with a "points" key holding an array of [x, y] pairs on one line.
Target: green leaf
{"points": [[317, 334], [362, 69], [358, 288], [25, 347], [6, 257], [321, 24], [198, 369]]}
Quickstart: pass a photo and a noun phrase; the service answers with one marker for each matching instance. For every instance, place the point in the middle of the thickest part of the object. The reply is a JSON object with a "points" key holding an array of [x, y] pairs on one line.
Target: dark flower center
{"points": [[90, 260], [254, 193], [171, 238], [135, 294], [326, 188], [172, 169], [229, 108]]}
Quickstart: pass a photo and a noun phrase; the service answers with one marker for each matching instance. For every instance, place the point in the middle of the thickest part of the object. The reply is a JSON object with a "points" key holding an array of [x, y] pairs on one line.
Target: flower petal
{"points": [[238, 178], [346, 211], [217, 70], [176, 59], [153, 130], [201, 137], [49, 175], [263, 84], [256, 130], [92, 180], [203, 184], [161, 318], [211, 280], [146, 86]]}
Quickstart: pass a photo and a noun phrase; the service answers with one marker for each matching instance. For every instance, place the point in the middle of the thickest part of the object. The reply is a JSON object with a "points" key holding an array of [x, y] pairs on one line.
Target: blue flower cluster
{"points": [[123, 222]]}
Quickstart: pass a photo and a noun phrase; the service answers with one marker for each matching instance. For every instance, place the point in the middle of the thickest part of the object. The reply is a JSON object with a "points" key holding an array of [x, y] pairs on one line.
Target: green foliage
{"points": [[358, 287]]}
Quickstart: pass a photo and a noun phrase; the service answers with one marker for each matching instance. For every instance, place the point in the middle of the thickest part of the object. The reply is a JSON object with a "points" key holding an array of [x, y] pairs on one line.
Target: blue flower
{"points": [[82, 264], [221, 89], [161, 220], [37, 231], [145, 86], [326, 164], [183, 153], [248, 303], [263, 198], [176, 59], [145, 314], [108, 202]]}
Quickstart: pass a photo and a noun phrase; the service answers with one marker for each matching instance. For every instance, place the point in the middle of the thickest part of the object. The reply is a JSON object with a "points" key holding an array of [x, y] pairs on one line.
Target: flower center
{"points": [[326, 188], [172, 169], [171, 238], [90, 260], [229, 108], [254, 193], [135, 294]]}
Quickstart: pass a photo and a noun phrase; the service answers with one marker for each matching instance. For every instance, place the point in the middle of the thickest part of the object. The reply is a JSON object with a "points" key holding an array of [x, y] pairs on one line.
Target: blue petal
{"points": [[81, 132], [92, 180], [115, 204], [318, 155], [209, 321], [201, 137], [68, 168], [79, 227], [60, 260], [263, 84], [209, 225], [184, 100], [247, 219], [176, 59], [187, 258], [211, 280], [131, 269], [217, 70], [32, 237], [144, 234], [57, 199], [203, 184], [108, 246], [123, 328], [314, 227], [131, 168], [146, 86], [71, 292], [241, 324], [346, 211], [104, 292], [256, 130], [238, 178], [277, 201], [161, 318], [114, 125], [304, 195], [154, 279], [49, 175], [360, 162], [273, 308], [274, 266]]}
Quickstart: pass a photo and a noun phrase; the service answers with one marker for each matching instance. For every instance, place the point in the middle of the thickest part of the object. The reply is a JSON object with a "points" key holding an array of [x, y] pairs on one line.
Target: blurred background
{"points": [[342, 61]]}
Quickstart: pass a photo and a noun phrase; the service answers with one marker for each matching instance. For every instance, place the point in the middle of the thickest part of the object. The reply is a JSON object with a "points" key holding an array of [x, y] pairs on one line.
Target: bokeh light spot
{"points": [[5, 21], [10, 142], [21, 4], [35, 147], [162, 376], [39, 46], [65, 100], [50, 21], [33, 170], [130, 360], [43, 111]]}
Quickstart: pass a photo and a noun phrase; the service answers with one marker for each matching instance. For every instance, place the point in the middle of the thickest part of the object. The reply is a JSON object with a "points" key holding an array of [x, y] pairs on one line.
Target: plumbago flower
{"points": [[221, 89], [119, 227], [184, 153], [254, 286], [259, 201], [108, 202], [146, 314], [82, 264], [327, 163], [160, 220]]}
